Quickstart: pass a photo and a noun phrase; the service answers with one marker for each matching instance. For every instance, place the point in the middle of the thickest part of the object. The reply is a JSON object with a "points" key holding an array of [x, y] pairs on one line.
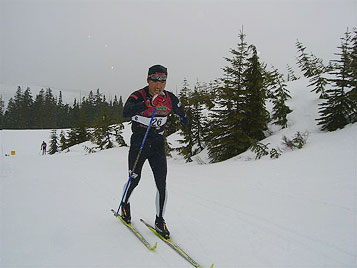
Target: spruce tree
{"points": [[226, 134], [62, 113], [187, 149], [118, 128], [197, 119], [314, 69], [63, 143], [53, 142], [79, 132], [27, 110], [318, 79], [352, 95], [256, 113], [304, 61], [2, 112], [353, 63], [117, 110], [39, 110], [50, 109], [291, 74], [336, 112], [280, 95], [18, 114], [103, 131]]}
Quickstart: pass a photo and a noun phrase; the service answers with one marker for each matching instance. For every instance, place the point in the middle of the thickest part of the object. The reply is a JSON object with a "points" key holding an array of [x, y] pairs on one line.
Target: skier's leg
{"points": [[158, 165], [135, 177]]}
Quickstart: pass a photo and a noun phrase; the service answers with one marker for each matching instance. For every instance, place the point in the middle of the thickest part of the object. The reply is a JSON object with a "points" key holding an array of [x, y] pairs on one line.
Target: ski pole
{"points": [[136, 160]]}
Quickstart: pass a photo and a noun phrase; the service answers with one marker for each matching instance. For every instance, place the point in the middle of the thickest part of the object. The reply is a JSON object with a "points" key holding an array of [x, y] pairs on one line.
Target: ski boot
{"points": [[125, 213], [161, 228]]}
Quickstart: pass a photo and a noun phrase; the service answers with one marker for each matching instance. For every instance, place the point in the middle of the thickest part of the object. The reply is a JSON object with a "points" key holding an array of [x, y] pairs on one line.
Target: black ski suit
{"points": [[154, 147]]}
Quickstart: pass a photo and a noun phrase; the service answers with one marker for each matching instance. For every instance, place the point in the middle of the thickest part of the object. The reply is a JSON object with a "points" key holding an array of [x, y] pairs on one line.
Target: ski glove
{"points": [[184, 121], [157, 100]]}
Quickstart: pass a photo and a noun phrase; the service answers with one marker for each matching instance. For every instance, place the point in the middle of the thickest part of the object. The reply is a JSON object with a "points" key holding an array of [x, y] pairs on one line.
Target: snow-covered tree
{"points": [[280, 94], [339, 107], [227, 136], [187, 149], [63, 143], [103, 132], [53, 142], [255, 111]]}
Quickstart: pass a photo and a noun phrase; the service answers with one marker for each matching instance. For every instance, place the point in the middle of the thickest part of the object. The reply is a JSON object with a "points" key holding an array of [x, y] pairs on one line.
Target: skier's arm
{"points": [[178, 109], [134, 105]]}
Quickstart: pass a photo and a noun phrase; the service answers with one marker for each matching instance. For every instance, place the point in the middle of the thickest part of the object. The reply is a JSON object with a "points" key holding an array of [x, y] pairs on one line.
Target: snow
{"points": [[295, 211]]}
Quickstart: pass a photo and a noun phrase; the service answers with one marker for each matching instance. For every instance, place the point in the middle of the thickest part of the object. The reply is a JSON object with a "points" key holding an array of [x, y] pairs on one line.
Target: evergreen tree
{"points": [[13, 115], [46, 112], [53, 142], [338, 109], [304, 61], [280, 96], [118, 128], [62, 113], [2, 112], [198, 120], [187, 149], [63, 144], [50, 109], [317, 79], [74, 113], [117, 110], [17, 115], [26, 110], [39, 111], [103, 132], [353, 64], [291, 74], [256, 113], [352, 95], [314, 69], [79, 133], [226, 134], [8, 120]]}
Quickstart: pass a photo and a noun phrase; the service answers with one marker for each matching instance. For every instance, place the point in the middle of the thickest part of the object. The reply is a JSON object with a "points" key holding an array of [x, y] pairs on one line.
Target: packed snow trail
{"points": [[286, 212]]}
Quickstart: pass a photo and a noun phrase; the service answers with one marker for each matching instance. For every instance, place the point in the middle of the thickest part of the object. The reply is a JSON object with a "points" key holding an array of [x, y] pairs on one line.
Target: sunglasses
{"points": [[157, 77]]}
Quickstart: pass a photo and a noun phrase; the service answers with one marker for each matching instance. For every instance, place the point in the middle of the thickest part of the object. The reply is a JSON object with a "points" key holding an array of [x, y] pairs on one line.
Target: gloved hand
{"points": [[157, 100], [184, 121]]}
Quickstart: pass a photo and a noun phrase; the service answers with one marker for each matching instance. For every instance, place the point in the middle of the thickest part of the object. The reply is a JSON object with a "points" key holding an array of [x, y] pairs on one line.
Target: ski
{"points": [[135, 232], [174, 246]]}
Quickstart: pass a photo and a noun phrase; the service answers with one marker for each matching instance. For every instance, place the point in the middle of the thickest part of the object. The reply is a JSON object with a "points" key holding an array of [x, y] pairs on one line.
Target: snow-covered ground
{"points": [[296, 211]]}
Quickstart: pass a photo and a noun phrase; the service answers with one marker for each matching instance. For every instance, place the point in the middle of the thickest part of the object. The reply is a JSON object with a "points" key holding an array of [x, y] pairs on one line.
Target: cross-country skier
{"points": [[140, 107], [43, 147]]}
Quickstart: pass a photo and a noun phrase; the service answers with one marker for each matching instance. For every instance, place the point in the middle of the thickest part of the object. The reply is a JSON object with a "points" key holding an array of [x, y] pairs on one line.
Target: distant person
{"points": [[43, 147]]}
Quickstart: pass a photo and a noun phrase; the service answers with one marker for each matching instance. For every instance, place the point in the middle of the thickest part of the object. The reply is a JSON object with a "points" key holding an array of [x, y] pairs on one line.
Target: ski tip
{"points": [[211, 266], [155, 246]]}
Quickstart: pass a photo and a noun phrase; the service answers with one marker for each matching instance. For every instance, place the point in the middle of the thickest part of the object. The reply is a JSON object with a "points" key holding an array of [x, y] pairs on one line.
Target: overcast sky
{"points": [[109, 44]]}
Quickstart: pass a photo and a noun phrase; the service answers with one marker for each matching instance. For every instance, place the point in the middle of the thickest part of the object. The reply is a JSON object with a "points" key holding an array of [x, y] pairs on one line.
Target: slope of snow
{"points": [[297, 211]]}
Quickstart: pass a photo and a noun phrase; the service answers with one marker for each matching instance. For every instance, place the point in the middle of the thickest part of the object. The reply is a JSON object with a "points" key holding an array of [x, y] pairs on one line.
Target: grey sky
{"points": [[84, 45]]}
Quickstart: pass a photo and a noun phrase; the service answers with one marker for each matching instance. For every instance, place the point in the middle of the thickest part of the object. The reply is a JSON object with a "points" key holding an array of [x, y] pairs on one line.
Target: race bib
{"points": [[157, 121]]}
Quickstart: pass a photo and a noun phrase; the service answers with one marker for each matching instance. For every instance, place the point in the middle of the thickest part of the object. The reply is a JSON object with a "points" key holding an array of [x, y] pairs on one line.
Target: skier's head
{"points": [[157, 73], [156, 79]]}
